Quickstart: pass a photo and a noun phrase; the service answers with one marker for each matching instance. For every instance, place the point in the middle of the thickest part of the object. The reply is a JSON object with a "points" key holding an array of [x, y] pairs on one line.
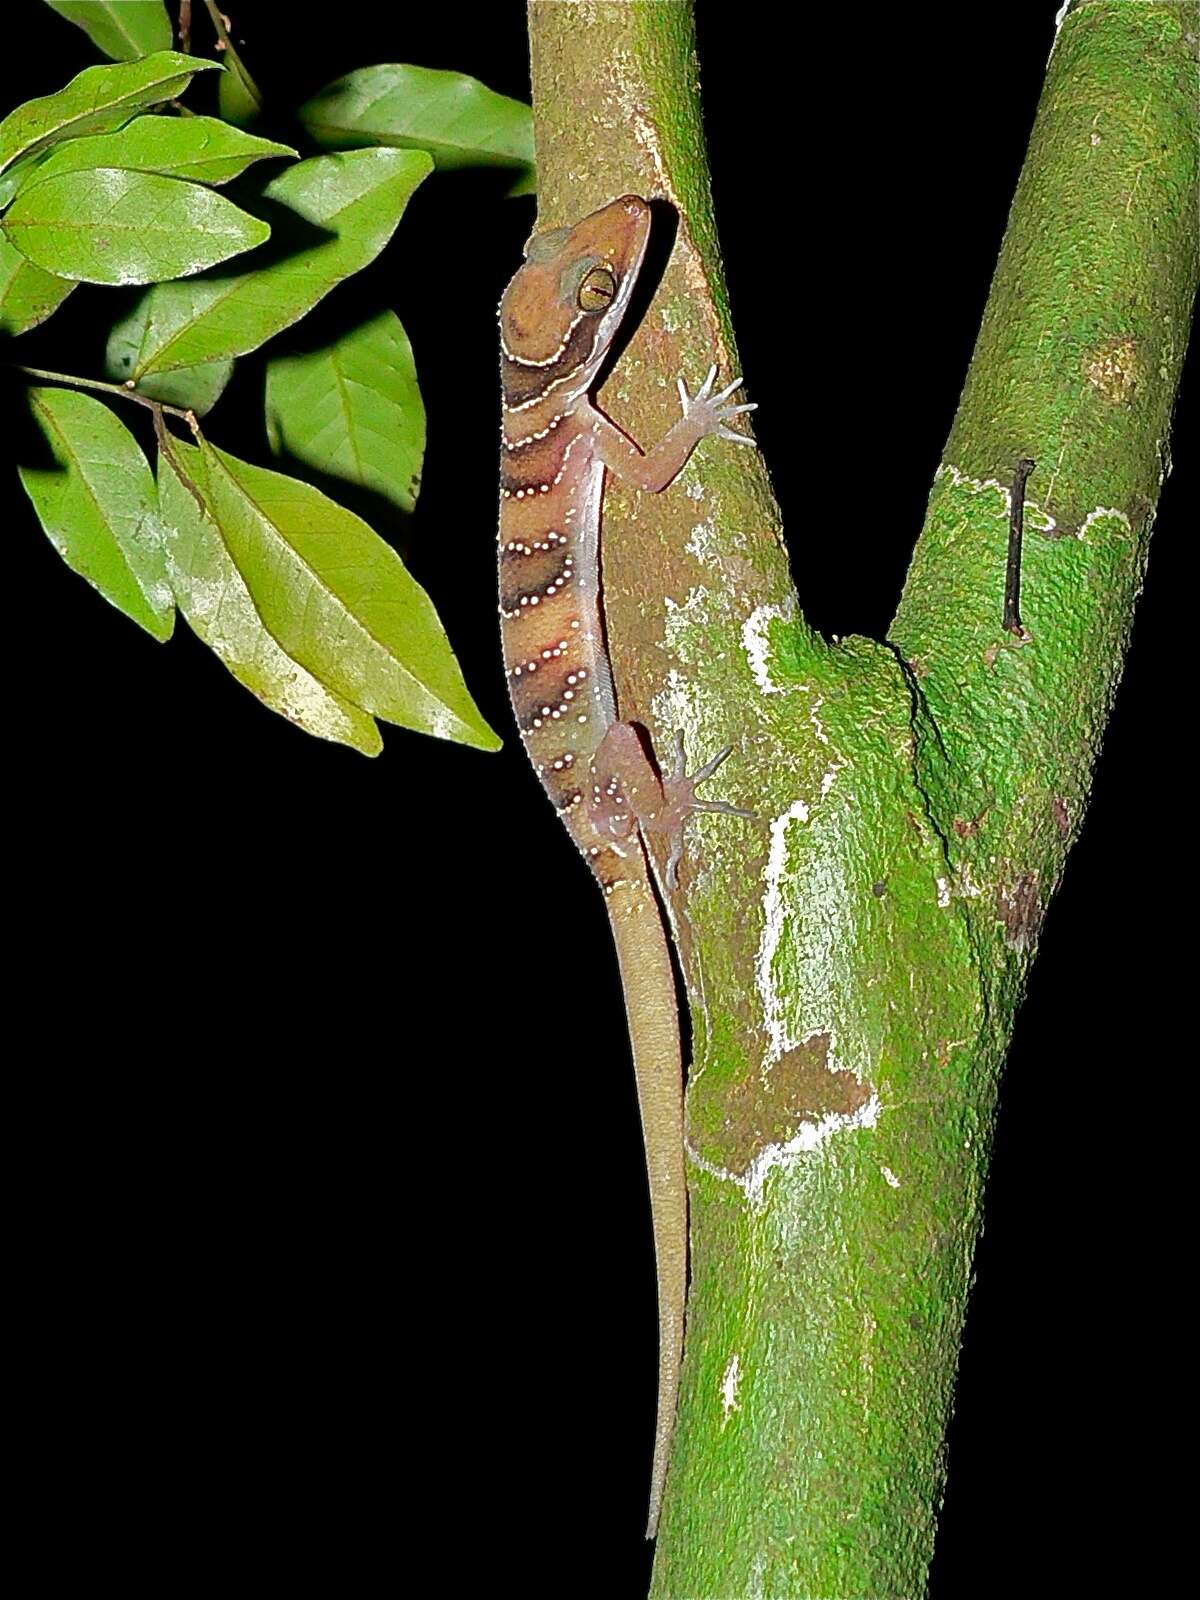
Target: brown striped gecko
{"points": [[558, 319]]}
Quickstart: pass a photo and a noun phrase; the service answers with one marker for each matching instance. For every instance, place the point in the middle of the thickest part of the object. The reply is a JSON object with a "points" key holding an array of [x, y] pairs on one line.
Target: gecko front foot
{"points": [[709, 412]]}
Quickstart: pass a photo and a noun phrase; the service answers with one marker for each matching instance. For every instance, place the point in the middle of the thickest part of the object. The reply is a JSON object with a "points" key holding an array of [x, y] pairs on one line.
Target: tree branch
{"points": [[1077, 365], [854, 960]]}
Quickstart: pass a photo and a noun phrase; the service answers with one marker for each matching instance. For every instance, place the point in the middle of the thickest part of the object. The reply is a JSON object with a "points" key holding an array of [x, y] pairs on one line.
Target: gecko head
{"points": [[567, 300]]}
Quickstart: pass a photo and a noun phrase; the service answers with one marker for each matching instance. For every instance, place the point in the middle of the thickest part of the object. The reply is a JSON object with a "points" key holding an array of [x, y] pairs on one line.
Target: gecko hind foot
{"points": [[680, 790]]}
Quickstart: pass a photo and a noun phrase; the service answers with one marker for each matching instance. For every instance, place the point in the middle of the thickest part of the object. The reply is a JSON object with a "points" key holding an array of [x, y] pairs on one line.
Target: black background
{"points": [[329, 1250]]}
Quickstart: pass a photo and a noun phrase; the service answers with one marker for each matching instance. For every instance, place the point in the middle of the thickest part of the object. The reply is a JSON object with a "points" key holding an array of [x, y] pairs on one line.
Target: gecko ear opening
{"points": [[543, 245]]}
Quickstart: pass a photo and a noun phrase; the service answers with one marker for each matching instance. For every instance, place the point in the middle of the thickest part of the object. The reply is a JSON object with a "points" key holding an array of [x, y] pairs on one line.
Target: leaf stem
{"points": [[158, 406], [159, 409], [237, 65]]}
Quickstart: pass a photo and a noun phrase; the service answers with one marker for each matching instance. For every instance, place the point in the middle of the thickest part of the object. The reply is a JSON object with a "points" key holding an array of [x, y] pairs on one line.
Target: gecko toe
{"points": [[723, 807], [729, 389], [711, 765]]}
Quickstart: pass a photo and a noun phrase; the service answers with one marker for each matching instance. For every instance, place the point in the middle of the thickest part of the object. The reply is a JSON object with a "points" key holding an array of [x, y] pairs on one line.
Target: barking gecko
{"points": [[558, 318]]}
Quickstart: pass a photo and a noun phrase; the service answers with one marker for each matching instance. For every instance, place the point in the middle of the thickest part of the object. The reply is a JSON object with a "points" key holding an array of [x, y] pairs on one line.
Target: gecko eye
{"points": [[597, 291]]}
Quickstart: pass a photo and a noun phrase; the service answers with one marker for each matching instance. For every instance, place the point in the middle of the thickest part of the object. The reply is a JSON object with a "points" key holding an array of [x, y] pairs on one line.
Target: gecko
{"points": [[558, 319]]}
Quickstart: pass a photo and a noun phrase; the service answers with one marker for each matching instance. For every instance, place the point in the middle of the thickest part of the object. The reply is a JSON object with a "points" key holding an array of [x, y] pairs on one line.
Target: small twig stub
{"points": [[1016, 527]]}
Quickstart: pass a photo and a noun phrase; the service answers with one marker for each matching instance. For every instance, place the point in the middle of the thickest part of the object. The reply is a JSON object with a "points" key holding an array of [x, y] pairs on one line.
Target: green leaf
{"points": [[98, 506], [19, 173], [459, 121], [337, 599], [122, 29], [220, 611], [356, 200], [526, 183], [27, 294], [239, 99], [194, 388], [201, 149], [197, 388], [95, 101], [353, 408], [112, 226]]}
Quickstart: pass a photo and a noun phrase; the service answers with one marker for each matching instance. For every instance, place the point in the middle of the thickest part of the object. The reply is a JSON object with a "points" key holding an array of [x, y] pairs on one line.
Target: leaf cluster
{"points": [[113, 181]]}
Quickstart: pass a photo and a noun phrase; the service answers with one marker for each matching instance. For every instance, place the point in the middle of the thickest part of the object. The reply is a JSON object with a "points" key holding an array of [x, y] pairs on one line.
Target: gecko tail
{"points": [[649, 984], [669, 1363]]}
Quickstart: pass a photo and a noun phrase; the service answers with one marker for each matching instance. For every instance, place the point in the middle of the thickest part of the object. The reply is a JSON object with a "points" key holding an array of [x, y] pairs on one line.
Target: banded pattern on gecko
{"points": [[558, 318]]}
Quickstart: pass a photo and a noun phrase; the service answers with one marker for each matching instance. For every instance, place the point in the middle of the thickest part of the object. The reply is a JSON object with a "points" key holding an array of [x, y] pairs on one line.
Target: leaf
{"points": [[457, 119], [201, 149], [356, 200], [353, 408], [194, 388], [27, 294], [19, 173], [122, 29], [98, 506], [96, 100], [111, 226], [238, 97], [219, 610], [197, 388], [337, 599]]}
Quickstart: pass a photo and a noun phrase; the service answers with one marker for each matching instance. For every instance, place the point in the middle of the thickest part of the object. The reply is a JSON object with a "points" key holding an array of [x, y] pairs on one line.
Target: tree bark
{"points": [[854, 959]]}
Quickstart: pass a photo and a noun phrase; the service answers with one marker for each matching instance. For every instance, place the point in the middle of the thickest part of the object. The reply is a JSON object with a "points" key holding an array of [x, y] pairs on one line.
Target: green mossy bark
{"points": [[854, 957]]}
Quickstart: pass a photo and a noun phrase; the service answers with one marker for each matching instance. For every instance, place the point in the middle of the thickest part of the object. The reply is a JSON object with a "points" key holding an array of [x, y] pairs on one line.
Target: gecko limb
{"points": [[628, 793]]}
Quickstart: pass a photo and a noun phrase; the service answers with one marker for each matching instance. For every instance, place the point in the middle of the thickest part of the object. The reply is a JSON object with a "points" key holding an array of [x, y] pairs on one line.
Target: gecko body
{"points": [[558, 318]]}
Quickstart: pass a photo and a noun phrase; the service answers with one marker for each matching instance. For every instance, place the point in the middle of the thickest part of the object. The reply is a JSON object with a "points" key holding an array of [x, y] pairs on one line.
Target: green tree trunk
{"points": [[854, 961]]}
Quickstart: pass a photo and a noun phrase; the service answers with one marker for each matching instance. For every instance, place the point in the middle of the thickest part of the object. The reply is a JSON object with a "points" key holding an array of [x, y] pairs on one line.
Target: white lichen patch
{"points": [[890, 1178], [1036, 519], [689, 628], [837, 763], [701, 609], [703, 542], [962, 480], [1102, 513], [729, 1388], [1060, 17], [757, 1575], [757, 644], [943, 892], [964, 884], [810, 1137], [775, 913]]}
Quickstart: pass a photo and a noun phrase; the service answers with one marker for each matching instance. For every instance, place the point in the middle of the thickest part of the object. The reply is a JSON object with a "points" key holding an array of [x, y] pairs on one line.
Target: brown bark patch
{"points": [[1140, 514], [968, 827], [800, 1087], [1019, 907], [1062, 815], [1114, 370]]}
